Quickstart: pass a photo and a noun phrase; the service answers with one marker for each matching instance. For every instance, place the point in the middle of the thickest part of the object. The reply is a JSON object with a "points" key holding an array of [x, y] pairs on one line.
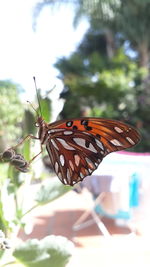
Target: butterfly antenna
{"points": [[32, 106], [37, 95]]}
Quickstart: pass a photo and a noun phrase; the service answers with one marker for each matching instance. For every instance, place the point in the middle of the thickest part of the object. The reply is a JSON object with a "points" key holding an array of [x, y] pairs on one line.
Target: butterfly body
{"points": [[77, 146]]}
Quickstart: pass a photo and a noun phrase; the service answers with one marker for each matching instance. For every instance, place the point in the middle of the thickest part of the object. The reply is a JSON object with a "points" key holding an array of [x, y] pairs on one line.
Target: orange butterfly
{"points": [[77, 146]]}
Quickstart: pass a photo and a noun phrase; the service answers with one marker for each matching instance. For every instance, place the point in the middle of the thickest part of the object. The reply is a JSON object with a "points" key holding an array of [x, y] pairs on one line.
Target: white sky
{"points": [[25, 53]]}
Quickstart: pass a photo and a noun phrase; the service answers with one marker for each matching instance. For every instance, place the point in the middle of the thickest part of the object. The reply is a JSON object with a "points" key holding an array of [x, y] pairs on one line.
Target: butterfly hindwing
{"points": [[74, 155]]}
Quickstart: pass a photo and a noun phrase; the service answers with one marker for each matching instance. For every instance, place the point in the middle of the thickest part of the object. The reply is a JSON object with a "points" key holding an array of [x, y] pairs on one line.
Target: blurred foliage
{"points": [[11, 113], [51, 251], [28, 125], [120, 21], [95, 85], [129, 18], [16, 122], [14, 207], [108, 74], [110, 86], [49, 191]]}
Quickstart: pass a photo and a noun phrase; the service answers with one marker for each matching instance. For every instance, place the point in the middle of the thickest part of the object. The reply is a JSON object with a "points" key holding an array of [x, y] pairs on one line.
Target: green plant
{"points": [[15, 205], [13, 216]]}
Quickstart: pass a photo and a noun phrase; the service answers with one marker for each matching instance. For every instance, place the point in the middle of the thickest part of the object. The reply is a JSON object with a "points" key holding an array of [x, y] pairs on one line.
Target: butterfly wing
{"points": [[76, 147], [74, 155]]}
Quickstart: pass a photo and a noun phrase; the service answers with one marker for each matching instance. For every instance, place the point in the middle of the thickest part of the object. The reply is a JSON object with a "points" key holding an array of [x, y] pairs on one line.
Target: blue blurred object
{"points": [[134, 185], [125, 215]]}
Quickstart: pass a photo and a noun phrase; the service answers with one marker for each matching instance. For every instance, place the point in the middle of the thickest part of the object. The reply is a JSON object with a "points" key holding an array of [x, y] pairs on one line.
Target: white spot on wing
{"points": [[77, 160], [56, 167], [64, 144], [86, 172], [65, 181], [81, 142], [62, 160], [90, 163], [90, 171], [92, 148], [71, 165], [68, 176], [60, 176], [87, 133], [116, 142], [54, 144], [69, 123], [81, 175], [96, 164], [99, 144], [118, 130], [130, 140], [55, 130], [68, 132]]}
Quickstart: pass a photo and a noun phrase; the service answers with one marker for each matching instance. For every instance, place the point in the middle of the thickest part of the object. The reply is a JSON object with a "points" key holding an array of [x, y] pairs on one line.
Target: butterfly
{"points": [[76, 147]]}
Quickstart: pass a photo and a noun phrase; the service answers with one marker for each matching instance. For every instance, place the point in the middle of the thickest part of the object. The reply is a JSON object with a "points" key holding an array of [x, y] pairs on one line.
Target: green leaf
{"points": [[15, 179], [45, 104], [10, 188], [29, 123], [4, 224], [2, 253], [51, 251], [26, 150], [50, 190]]}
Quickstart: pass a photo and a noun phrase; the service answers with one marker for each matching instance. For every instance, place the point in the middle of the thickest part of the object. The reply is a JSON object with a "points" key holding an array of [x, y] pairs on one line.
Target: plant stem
{"points": [[16, 200], [9, 263], [34, 207]]}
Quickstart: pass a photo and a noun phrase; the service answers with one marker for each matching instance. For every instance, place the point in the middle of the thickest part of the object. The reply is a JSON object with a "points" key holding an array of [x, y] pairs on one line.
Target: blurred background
{"points": [[90, 58]]}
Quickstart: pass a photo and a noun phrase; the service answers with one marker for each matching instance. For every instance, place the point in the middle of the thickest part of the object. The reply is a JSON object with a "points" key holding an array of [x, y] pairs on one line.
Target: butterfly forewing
{"points": [[76, 147]]}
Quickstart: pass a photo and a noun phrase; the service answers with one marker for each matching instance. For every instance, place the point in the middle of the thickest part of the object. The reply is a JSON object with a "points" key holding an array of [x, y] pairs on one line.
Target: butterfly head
{"points": [[43, 128], [39, 122]]}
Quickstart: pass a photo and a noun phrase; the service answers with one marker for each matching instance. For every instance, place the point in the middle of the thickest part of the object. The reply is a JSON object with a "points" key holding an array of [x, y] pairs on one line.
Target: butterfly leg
{"points": [[29, 136], [36, 155]]}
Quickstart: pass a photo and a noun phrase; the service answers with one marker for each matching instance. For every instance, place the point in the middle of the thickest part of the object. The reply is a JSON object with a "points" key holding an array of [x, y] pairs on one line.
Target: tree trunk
{"points": [[110, 44], [144, 57]]}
